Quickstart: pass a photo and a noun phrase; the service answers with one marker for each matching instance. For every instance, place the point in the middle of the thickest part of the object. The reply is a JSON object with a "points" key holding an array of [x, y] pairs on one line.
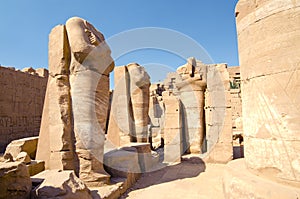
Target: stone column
{"points": [[269, 49], [191, 91], [90, 66], [139, 93], [269, 52]]}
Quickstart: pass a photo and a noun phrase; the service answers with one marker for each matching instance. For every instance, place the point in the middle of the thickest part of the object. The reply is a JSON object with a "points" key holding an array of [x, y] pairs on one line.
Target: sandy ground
{"points": [[190, 179]]}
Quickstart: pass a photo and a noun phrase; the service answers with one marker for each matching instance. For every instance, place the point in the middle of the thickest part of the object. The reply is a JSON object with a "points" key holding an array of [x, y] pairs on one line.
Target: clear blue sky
{"points": [[25, 26]]}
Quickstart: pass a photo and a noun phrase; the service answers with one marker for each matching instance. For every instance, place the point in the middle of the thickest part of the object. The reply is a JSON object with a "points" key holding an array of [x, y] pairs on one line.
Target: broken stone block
{"points": [[29, 70], [60, 184], [218, 77], [42, 72], [15, 181], [35, 167], [23, 157], [28, 145], [8, 157]]}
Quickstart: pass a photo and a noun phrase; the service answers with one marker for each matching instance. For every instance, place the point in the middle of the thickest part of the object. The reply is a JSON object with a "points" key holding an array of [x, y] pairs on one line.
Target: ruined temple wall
{"points": [[21, 103], [236, 98]]}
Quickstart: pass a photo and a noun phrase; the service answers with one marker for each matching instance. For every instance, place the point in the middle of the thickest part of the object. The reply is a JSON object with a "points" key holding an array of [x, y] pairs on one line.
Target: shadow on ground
{"points": [[188, 168]]}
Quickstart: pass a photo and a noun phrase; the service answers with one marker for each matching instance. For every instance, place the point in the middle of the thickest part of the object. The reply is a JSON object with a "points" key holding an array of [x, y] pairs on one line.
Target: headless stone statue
{"points": [[140, 94], [90, 65], [191, 91], [130, 105], [85, 98]]}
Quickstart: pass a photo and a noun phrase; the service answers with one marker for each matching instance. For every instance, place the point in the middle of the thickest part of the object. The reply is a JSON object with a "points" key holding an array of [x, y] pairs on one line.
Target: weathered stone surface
{"points": [[139, 93], [130, 106], [90, 66], [269, 45], [268, 157], [76, 105], [91, 168], [172, 129], [56, 135], [28, 145], [238, 182], [218, 99], [122, 162], [120, 121], [109, 191], [218, 115], [236, 99], [218, 124], [29, 70], [21, 105], [8, 157], [23, 157], [148, 160], [102, 101], [217, 77], [188, 84], [15, 181], [268, 33], [220, 153], [35, 167], [191, 93], [60, 184]]}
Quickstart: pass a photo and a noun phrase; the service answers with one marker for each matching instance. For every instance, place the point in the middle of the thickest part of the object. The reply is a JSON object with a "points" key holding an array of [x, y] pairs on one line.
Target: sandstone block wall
{"points": [[236, 99], [21, 103]]}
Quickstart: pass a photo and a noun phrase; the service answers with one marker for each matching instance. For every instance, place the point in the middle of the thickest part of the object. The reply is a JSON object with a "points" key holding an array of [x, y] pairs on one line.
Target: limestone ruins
{"points": [[93, 141]]}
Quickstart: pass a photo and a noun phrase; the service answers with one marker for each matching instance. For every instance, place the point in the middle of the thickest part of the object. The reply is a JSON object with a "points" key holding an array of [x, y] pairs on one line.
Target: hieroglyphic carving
{"points": [[21, 104]]}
